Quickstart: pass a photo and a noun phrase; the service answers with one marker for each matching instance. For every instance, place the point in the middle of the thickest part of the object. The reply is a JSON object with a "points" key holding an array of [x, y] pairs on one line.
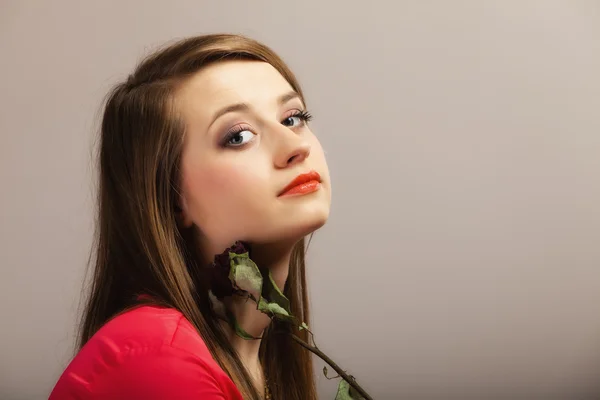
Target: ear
{"points": [[182, 213]]}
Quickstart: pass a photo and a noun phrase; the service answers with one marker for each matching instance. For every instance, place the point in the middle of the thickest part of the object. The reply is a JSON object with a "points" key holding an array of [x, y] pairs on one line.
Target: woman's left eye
{"points": [[296, 120]]}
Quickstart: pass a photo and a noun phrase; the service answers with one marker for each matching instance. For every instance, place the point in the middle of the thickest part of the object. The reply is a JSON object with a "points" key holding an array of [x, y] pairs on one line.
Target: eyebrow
{"points": [[284, 98]]}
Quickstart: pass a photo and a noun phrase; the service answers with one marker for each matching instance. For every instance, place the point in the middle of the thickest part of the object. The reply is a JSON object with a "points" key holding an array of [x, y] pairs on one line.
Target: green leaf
{"points": [[272, 294], [245, 274], [273, 310], [303, 326], [347, 392]]}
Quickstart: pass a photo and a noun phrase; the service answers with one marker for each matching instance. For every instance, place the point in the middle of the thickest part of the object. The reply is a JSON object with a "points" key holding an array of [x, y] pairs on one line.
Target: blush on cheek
{"points": [[216, 186], [228, 193], [227, 180]]}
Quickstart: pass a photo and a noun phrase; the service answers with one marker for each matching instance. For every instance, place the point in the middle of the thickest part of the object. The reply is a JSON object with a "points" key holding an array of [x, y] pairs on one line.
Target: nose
{"points": [[293, 148]]}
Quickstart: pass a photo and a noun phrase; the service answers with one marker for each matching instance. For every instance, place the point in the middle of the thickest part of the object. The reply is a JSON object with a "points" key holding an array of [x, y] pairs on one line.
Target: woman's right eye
{"points": [[238, 138]]}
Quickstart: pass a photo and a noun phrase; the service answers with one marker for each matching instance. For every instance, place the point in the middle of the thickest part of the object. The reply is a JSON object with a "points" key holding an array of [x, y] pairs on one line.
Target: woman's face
{"points": [[246, 140]]}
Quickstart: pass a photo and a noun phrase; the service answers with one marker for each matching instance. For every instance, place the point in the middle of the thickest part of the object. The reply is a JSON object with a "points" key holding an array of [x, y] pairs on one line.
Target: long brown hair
{"points": [[139, 248]]}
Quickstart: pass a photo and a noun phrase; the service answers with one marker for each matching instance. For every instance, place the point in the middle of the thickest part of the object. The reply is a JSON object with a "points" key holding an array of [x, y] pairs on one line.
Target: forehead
{"points": [[225, 83]]}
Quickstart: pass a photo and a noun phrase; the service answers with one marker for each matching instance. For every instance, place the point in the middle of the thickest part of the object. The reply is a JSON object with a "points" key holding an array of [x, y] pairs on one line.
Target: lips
{"points": [[302, 184]]}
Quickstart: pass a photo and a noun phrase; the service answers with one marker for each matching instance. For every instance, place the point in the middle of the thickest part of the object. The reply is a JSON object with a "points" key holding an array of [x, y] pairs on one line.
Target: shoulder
{"points": [[146, 353]]}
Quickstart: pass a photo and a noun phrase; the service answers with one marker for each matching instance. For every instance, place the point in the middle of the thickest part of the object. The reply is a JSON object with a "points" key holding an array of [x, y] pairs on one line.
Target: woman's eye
{"points": [[240, 138], [293, 121], [296, 120]]}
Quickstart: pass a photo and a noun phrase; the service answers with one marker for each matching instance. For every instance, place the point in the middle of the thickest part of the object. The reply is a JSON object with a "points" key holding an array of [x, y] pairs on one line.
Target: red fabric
{"points": [[146, 353]]}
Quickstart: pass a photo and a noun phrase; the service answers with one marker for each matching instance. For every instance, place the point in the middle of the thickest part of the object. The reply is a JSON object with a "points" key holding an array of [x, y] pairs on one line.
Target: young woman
{"points": [[205, 144]]}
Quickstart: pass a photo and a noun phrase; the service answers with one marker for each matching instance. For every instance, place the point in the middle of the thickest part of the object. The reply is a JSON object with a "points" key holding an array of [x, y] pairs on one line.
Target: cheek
{"points": [[222, 193], [207, 183]]}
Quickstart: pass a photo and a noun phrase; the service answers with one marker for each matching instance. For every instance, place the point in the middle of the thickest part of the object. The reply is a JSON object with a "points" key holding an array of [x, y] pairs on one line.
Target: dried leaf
{"points": [[244, 274], [329, 377], [347, 392], [273, 310], [272, 294]]}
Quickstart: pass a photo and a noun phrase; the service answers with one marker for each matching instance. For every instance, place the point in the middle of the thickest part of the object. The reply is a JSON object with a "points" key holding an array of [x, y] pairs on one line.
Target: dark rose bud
{"points": [[238, 248], [220, 283]]}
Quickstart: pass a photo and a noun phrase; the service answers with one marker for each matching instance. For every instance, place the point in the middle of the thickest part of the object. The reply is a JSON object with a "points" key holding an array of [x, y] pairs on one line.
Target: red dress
{"points": [[146, 353]]}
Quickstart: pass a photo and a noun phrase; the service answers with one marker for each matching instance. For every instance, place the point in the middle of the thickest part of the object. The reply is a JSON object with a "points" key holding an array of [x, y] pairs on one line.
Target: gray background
{"points": [[462, 257]]}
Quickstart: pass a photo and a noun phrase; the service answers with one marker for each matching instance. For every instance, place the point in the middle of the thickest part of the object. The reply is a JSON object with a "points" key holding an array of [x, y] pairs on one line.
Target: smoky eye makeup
{"points": [[237, 136], [242, 133]]}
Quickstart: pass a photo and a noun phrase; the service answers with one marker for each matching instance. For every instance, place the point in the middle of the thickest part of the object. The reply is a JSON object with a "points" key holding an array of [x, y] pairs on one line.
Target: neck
{"points": [[277, 259]]}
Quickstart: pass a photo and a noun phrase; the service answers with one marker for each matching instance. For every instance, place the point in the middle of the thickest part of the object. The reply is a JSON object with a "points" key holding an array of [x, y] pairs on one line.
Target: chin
{"points": [[317, 220], [292, 227], [311, 215], [292, 220], [305, 223]]}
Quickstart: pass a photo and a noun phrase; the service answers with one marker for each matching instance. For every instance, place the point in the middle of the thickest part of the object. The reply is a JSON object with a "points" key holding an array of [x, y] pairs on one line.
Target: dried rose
{"points": [[220, 283]]}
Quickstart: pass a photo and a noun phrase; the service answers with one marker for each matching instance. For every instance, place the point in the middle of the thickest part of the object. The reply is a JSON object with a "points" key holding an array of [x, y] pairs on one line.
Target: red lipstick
{"points": [[303, 184]]}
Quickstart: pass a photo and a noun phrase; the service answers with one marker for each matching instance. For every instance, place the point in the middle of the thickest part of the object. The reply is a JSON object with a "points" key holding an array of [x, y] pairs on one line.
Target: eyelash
{"points": [[304, 116]]}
